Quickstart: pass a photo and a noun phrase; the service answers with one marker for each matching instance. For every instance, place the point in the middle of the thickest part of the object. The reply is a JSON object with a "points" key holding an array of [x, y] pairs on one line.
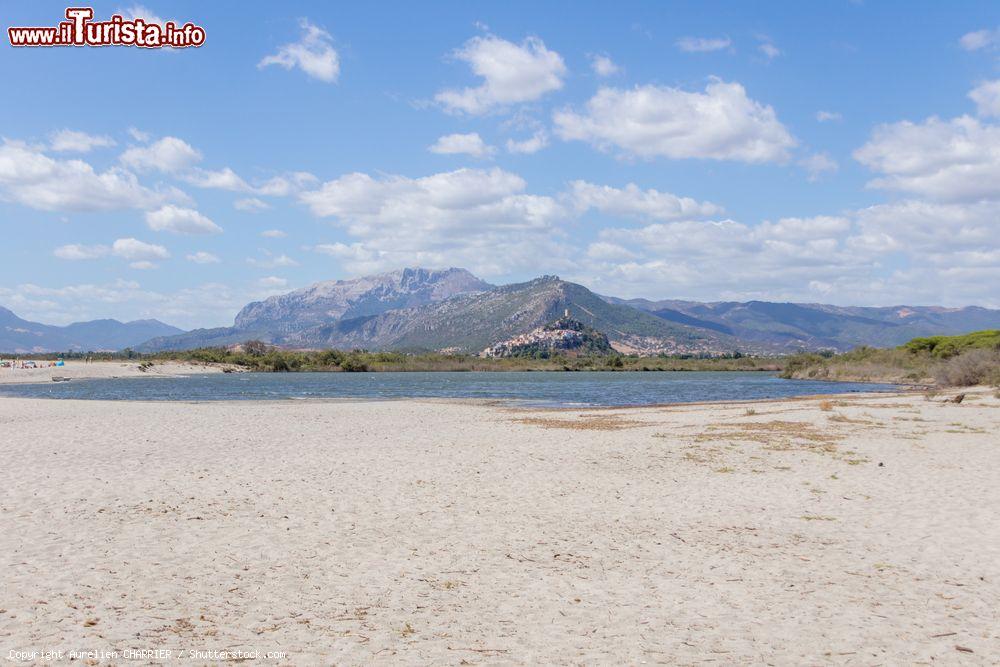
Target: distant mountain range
{"points": [[790, 326], [22, 336], [453, 310]]}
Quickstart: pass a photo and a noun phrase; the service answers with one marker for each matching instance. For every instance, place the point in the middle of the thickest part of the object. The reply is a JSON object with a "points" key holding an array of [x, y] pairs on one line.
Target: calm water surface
{"points": [[543, 389]]}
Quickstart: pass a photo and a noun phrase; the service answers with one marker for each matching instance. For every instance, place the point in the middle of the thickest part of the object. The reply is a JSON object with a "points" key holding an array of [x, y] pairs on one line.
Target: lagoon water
{"points": [[525, 388]]}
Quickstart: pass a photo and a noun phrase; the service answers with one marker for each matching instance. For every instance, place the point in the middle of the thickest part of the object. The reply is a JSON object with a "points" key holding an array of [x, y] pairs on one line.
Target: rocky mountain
{"points": [[792, 326], [472, 322], [22, 336], [347, 299], [280, 319]]}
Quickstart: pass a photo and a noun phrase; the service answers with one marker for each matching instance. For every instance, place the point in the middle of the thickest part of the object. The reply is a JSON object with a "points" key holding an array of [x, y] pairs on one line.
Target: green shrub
{"points": [[354, 364], [330, 358], [944, 347]]}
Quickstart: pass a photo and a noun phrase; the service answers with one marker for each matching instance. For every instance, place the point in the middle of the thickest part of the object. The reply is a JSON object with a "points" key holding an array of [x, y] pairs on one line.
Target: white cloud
{"points": [[818, 164], [179, 220], [769, 50], [270, 261], [77, 252], [288, 184], [137, 251], [714, 256], [827, 116], [721, 123], [168, 154], [359, 195], [143, 265], [632, 201], [533, 144], [139, 135], [703, 44], [460, 217], [603, 65], [33, 179], [71, 141], [722, 259], [906, 252], [468, 144], [202, 257], [313, 54], [354, 253], [272, 282], [609, 252], [511, 73], [224, 179], [251, 205], [141, 12], [273, 234], [980, 39], [987, 98], [956, 159], [926, 229]]}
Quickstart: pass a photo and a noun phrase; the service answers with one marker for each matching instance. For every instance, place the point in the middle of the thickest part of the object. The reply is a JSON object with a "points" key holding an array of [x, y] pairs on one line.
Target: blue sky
{"points": [[839, 152]]}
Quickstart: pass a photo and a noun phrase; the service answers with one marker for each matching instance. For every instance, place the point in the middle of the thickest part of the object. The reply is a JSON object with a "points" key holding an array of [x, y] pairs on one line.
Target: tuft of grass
{"points": [[826, 406], [750, 412]]}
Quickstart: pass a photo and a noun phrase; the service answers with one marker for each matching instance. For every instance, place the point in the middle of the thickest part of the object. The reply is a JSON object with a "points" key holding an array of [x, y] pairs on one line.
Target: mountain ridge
{"points": [[472, 322], [399, 310], [792, 325], [21, 336], [368, 295]]}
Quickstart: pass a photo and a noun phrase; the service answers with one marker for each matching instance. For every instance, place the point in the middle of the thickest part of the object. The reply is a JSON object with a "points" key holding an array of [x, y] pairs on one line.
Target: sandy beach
{"points": [[81, 370], [854, 530]]}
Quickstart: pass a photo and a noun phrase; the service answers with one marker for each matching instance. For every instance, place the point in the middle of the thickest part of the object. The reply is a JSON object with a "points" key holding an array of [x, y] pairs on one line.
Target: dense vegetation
{"points": [[257, 356], [964, 360], [945, 347]]}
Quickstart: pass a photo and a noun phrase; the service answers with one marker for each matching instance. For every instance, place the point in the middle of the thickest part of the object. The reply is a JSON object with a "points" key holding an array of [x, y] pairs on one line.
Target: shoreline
{"points": [[129, 369], [34, 389]]}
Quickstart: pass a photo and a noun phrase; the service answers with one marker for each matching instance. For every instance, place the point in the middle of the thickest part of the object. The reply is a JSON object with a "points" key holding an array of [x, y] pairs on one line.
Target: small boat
{"points": [[60, 378]]}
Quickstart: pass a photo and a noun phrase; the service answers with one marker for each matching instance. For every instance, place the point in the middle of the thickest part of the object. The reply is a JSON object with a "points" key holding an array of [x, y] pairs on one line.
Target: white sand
{"points": [[77, 370], [436, 533]]}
